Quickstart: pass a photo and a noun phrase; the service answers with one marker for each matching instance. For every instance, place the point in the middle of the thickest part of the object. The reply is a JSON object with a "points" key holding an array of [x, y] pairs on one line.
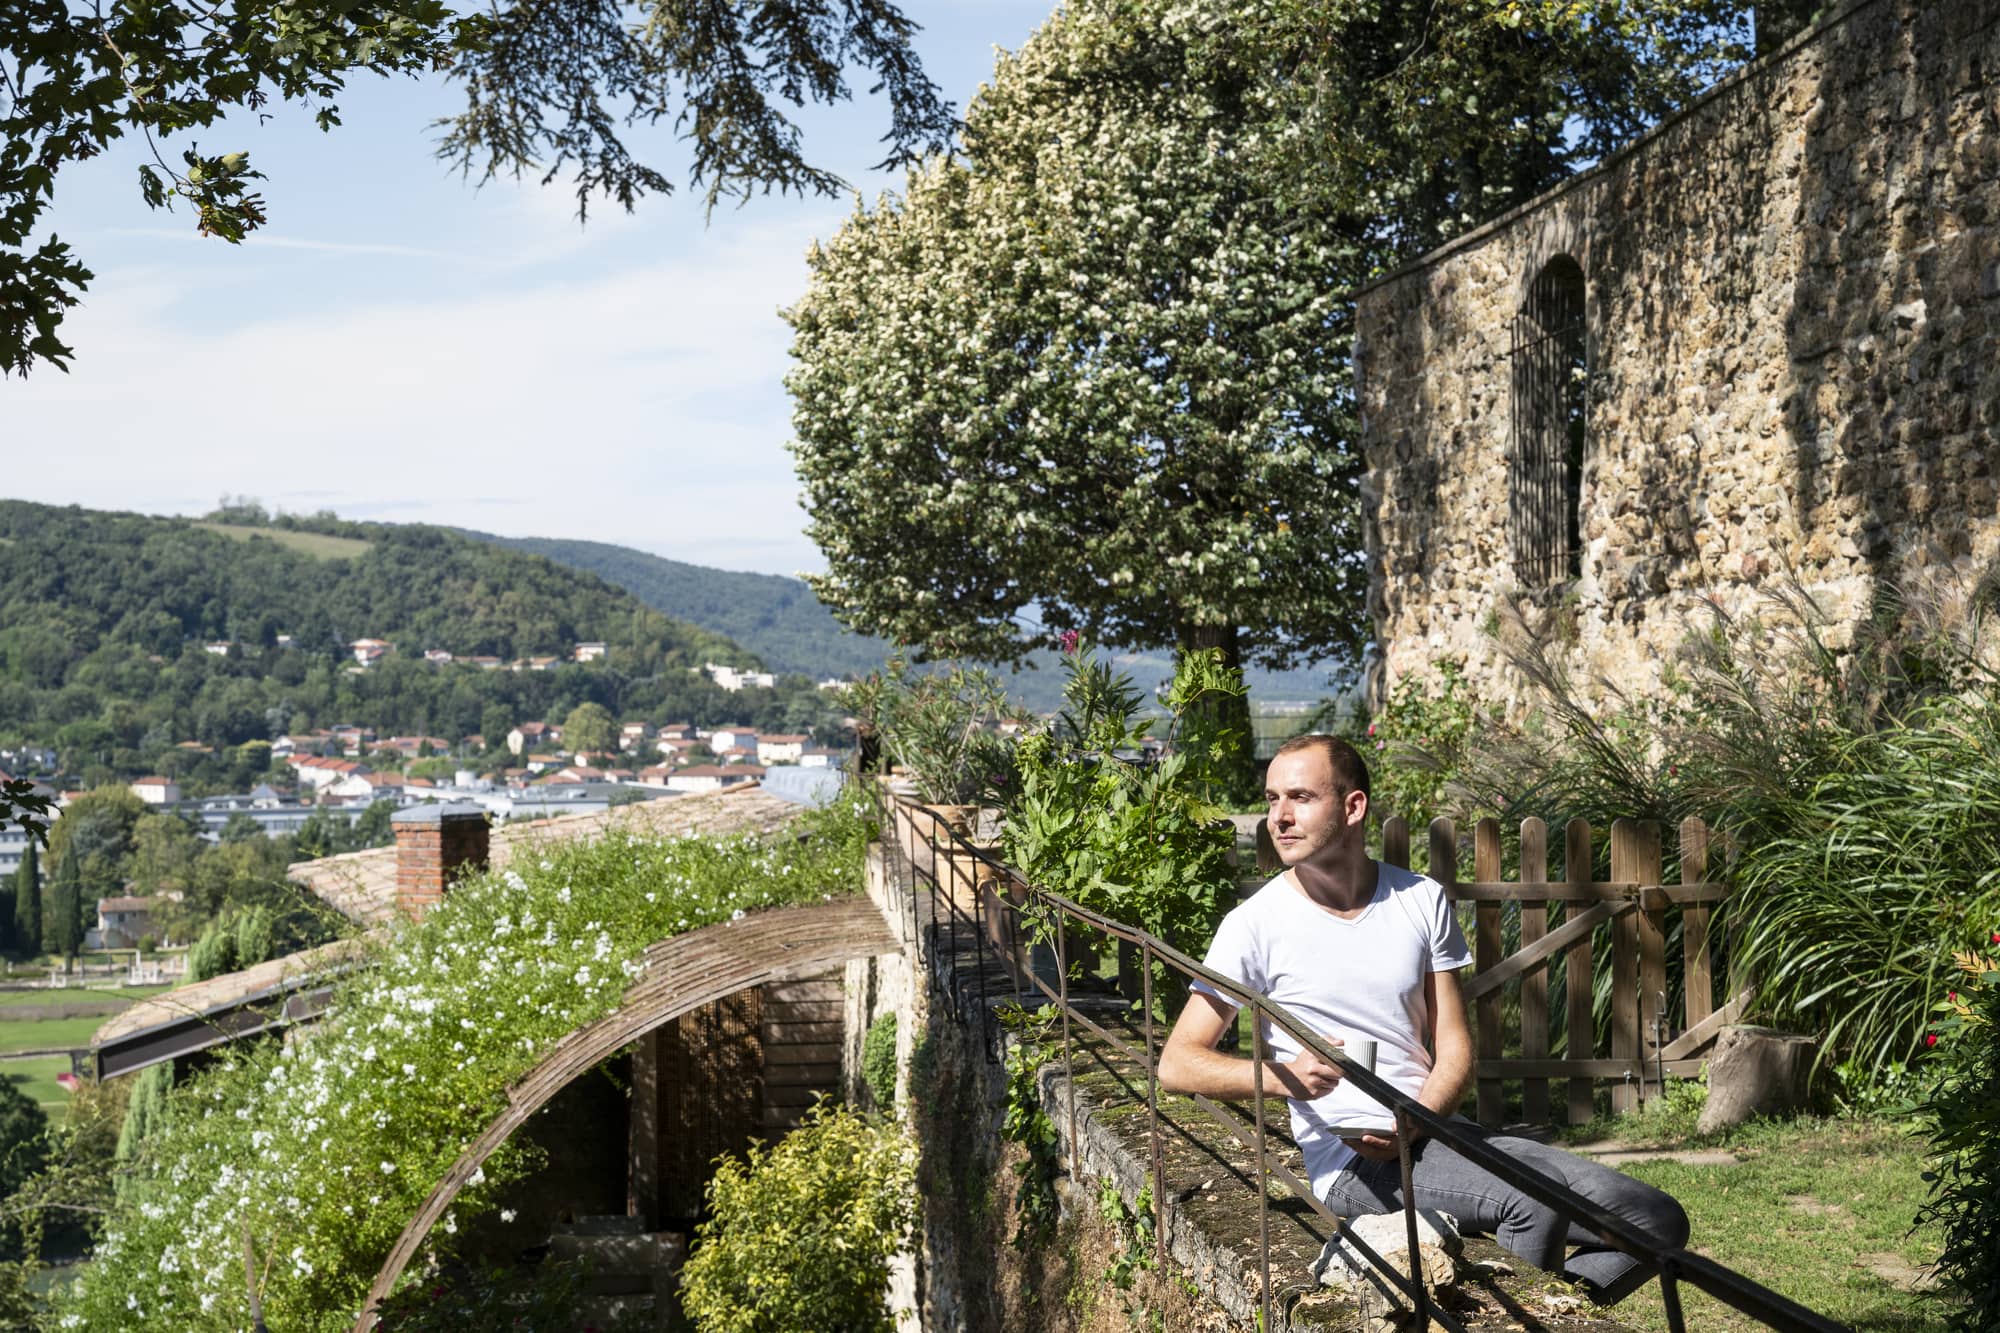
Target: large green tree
{"points": [[589, 729], [1083, 366], [62, 921], [552, 86], [27, 935], [1098, 362]]}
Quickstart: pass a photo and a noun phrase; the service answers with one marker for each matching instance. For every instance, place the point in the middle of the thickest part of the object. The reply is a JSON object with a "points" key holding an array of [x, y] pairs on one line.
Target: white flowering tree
{"points": [[1087, 365]]}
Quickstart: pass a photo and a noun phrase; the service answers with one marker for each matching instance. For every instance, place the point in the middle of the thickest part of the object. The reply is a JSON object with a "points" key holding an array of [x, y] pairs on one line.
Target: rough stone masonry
{"points": [[1791, 343]]}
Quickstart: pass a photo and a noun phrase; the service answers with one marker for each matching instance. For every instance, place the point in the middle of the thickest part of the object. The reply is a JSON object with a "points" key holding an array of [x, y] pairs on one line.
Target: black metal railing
{"points": [[951, 887]]}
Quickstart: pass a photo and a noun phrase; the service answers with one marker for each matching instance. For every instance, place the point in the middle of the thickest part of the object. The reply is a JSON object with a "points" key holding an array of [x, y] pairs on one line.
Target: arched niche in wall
{"points": [[1551, 376]]}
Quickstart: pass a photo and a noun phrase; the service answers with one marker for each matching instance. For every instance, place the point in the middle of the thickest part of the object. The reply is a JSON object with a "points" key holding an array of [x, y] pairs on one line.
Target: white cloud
{"points": [[643, 404]]}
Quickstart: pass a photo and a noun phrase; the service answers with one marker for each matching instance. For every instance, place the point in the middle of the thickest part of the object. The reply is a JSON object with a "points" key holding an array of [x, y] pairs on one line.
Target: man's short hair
{"points": [[1350, 770]]}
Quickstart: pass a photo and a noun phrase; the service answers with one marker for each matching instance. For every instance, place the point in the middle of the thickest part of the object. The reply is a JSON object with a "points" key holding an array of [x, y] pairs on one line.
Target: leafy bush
{"points": [[322, 1149], [1415, 745], [1142, 842], [24, 1150], [1963, 1121], [530, 1299], [801, 1234], [878, 1060]]}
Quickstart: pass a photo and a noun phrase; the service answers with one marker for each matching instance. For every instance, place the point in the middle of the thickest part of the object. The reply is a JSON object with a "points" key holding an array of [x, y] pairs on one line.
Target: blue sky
{"points": [[398, 345]]}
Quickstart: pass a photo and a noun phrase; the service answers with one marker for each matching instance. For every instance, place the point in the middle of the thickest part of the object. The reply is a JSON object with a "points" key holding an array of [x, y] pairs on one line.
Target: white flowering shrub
{"points": [[321, 1151]]}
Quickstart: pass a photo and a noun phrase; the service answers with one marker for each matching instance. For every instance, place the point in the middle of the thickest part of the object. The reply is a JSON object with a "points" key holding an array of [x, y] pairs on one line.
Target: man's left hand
{"points": [[1375, 1147]]}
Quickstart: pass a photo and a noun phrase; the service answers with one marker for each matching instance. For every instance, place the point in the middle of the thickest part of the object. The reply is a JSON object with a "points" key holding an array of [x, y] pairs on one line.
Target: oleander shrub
{"points": [[1962, 1118], [801, 1233], [319, 1151]]}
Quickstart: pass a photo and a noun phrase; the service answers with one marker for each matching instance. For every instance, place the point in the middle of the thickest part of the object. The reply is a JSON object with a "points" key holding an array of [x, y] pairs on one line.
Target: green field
{"points": [[37, 1078], [38, 996], [317, 545], [49, 1033]]}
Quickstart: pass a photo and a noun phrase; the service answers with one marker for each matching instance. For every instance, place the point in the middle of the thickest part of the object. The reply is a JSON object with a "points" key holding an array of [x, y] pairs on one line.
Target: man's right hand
{"points": [[1305, 1077]]}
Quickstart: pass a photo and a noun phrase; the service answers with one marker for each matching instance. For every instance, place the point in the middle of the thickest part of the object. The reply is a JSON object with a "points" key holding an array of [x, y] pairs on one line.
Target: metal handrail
{"points": [[1041, 907]]}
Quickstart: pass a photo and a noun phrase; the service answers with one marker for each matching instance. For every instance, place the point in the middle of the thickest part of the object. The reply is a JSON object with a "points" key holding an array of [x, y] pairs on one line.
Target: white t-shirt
{"points": [[1356, 978]]}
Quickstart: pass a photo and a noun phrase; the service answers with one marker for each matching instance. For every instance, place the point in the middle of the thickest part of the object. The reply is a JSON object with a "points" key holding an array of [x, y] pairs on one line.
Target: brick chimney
{"points": [[434, 843]]}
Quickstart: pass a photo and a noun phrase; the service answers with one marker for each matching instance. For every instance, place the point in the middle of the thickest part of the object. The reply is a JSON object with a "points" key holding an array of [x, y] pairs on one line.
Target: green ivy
{"points": [[1963, 1118], [801, 1234], [878, 1060], [1026, 1123]]}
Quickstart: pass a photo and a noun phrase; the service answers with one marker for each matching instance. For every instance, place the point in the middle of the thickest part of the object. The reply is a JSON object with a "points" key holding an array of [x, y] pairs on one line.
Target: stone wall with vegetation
{"points": [[1792, 336]]}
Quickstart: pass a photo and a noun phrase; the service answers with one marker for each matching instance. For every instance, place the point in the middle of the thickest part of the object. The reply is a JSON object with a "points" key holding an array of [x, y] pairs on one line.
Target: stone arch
{"points": [[1551, 370], [682, 974]]}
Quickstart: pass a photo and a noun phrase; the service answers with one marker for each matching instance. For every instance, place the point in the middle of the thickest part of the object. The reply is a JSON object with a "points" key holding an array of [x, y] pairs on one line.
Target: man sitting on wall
{"points": [[1365, 952]]}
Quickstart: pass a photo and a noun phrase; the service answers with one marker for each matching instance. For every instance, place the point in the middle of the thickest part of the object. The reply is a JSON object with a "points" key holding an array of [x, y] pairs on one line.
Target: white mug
{"points": [[1361, 1050]]}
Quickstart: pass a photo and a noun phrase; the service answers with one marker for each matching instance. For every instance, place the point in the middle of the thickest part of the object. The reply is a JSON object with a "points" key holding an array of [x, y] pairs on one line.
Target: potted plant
{"points": [[942, 730]]}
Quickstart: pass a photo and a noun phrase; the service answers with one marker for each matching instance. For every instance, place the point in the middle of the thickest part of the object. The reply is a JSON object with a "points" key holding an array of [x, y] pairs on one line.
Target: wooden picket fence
{"points": [[1577, 918]]}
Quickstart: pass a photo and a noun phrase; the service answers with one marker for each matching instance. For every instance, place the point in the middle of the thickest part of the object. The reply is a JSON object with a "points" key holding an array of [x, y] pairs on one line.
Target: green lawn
{"points": [[37, 1078], [49, 1033], [315, 544], [73, 995], [1817, 1210]]}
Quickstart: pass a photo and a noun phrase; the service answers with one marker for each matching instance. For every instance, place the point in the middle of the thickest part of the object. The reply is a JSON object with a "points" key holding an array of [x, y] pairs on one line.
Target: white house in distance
{"points": [[362, 785], [780, 749], [589, 652], [729, 678], [370, 651], [532, 736], [711, 777], [731, 738], [121, 922], [633, 735], [156, 790]]}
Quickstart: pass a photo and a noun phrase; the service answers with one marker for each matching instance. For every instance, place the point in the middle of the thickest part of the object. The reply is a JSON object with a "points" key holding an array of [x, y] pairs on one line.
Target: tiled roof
{"points": [[362, 885]]}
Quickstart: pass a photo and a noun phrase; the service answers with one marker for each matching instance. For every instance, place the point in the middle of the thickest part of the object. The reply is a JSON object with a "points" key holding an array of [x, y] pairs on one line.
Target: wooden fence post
{"points": [[1396, 842], [1624, 966], [1487, 953], [1698, 983], [1651, 926], [1535, 982], [1579, 974]]}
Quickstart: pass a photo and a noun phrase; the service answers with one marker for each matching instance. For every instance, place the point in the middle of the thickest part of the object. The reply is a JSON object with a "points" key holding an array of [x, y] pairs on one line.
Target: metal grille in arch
{"points": [[1545, 481]]}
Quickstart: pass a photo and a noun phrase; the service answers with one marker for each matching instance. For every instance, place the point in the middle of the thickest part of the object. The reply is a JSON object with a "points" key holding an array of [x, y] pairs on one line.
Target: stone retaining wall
{"points": [[1794, 361]]}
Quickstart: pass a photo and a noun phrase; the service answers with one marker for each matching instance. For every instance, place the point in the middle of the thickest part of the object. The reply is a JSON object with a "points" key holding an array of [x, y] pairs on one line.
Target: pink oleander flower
{"points": [[1068, 641]]}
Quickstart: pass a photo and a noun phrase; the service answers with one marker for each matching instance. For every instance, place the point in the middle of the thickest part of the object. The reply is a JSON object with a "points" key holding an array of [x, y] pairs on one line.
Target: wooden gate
{"points": [[1632, 914]]}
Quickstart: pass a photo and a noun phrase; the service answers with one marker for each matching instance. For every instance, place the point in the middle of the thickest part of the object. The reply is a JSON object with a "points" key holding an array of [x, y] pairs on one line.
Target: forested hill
{"points": [[778, 618], [104, 618]]}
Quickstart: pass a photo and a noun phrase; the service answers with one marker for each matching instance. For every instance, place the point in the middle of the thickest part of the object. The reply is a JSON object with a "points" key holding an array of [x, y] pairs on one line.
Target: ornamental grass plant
{"points": [[320, 1150], [1854, 780]]}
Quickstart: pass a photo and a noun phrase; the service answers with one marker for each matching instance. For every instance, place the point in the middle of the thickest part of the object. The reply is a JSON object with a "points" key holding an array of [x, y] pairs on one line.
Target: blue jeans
{"points": [[1484, 1204]]}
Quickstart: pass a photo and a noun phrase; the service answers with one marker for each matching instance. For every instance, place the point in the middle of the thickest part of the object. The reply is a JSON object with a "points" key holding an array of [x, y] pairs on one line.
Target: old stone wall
{"points": [[1793, 346]]}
